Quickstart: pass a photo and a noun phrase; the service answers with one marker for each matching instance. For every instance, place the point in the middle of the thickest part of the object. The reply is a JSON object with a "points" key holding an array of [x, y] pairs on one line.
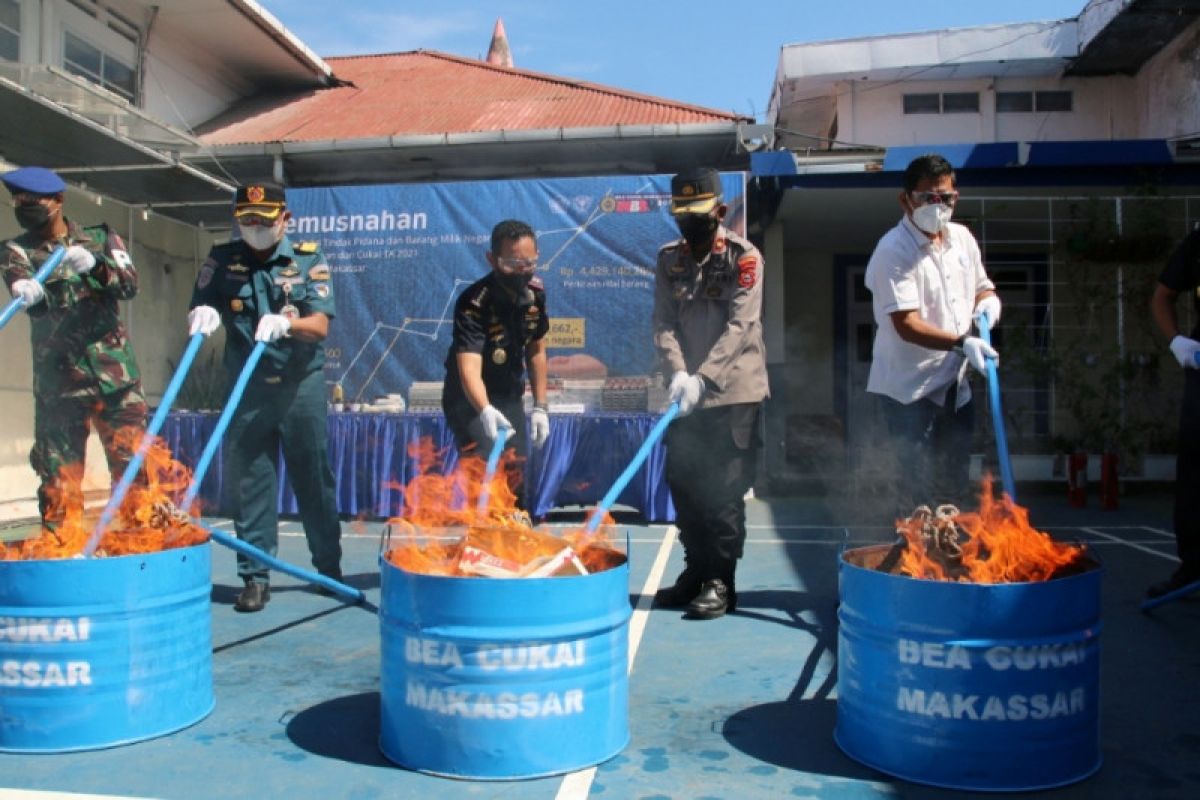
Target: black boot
{"points": [[715, 600], [1179, 579], [686, 587], [333, 574], [253, 597]]}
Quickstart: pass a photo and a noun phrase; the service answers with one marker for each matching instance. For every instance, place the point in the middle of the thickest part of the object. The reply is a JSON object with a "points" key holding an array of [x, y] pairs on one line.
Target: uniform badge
{"points": [[237, 266], [255, 194], [499, 356], [747, 271], [678, 268], [319, 273], [321, 290], [236, 305], [713, 291], [206, 274], [289, 272]]}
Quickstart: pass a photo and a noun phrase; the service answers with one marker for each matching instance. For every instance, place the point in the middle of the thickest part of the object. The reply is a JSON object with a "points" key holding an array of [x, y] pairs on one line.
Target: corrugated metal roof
{"points": [[427, 92]]}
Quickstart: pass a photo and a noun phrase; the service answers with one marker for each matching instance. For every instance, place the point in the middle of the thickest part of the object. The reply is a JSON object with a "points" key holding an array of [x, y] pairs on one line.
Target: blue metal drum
{"points": [[992, 687], [496, 679], [102, 652]]}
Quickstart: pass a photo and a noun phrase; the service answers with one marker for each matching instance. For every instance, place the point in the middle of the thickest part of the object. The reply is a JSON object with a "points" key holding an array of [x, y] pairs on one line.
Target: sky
{"points": [[701, 52]]}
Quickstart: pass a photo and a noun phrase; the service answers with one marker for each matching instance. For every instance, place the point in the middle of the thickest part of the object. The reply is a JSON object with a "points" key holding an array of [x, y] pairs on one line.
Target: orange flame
{"points": [[1000, 546], [146, 522], [442, 532]]}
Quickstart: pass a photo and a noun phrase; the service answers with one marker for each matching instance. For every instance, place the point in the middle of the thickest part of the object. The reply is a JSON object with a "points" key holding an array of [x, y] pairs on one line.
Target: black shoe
{"points": [[686, 587], [253, 597], [1179, 579], [714, 600], [324, 591]]}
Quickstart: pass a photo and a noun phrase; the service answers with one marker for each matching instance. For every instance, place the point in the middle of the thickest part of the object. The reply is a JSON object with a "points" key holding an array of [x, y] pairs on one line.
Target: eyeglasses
{"points": [[518, 265], [253, 220], [930, 198]]}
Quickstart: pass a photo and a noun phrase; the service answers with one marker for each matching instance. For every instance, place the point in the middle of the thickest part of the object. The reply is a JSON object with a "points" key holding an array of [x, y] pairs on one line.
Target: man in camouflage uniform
{"points": [[84, 372], [708, 333], [267, 289]]}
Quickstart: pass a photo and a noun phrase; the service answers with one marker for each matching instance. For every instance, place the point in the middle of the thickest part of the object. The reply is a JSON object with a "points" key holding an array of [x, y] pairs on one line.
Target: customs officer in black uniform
{"points": [[267, 289], [708, 333], [1182, 274], [500, 327]]}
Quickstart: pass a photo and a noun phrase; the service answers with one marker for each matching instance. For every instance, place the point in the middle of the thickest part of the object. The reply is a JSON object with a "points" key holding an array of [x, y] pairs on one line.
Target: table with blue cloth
{"points": [[374, 457]]}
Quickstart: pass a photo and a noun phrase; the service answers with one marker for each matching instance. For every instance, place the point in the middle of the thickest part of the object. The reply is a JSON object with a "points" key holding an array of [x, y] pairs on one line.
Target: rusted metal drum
{"points": [[992, 687], [102, 652], [495, 679]]}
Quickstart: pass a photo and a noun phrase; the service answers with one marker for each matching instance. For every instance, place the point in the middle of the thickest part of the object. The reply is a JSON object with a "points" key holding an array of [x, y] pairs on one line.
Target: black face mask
{"points": [[697, 229], [515, 283], [32, 217]]}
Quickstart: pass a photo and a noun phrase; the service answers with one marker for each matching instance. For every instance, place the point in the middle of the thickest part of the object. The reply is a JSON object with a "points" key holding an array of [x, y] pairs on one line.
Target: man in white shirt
{"points": [[928, 285]]}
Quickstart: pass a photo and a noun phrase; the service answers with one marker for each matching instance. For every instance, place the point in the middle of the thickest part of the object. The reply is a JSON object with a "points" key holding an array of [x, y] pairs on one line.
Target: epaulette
{"points": [[307, 248]]}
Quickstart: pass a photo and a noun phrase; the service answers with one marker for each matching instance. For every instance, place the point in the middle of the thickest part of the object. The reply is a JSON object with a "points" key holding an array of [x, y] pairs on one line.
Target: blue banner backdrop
{"points": [[401, 254]]}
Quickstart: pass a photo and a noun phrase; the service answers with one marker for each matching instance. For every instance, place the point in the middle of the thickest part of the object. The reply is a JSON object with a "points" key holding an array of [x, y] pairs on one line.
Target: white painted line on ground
{"points": [[1167, 534], [577, 785], [1119, 540], [28, 794]]}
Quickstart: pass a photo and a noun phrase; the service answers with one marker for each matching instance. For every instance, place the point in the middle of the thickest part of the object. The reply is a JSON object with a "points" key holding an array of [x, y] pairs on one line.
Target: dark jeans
{"points": [[1187, 475], [469, 436], [711, 464], [930, 448]]}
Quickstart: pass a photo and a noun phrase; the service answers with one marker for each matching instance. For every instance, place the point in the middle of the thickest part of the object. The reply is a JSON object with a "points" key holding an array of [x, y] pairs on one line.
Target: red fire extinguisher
{"points": [[1109, 485], [1077, 479]]}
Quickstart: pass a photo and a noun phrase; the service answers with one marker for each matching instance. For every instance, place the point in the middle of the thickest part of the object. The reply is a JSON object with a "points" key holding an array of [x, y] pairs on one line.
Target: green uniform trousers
{"points": [[290, 413]]}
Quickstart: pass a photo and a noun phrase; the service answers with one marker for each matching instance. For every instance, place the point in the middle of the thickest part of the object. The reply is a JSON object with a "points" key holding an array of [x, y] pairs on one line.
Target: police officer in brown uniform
{"points": [[708, 333]]}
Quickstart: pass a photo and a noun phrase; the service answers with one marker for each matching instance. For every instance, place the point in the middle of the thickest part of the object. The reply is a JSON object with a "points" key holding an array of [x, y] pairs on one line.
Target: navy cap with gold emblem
{"points": [[260, 199], [696, 191]]}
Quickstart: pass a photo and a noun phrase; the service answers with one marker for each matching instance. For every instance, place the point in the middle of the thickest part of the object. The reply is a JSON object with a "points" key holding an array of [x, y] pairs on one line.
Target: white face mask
{"points": [[932, 218], [261, 238]]}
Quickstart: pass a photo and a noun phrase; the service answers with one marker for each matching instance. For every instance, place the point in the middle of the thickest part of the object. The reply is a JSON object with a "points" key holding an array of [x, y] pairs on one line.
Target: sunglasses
{"points": [[930, 198], [253, 220], [521, 266]]}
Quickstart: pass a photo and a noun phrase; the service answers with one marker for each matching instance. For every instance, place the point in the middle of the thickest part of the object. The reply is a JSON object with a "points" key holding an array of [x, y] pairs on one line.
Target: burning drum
{"points": [[503, 678], [969, 685], [102, 652]]}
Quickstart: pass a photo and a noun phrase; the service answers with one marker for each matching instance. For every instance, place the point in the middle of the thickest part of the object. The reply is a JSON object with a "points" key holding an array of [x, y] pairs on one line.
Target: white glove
{"points": [[203, 319], [978, 351], [29, 291], [1183, 348], [686, 390], [492, 421], [272, 327], [989, 305], [80, 259], [539, 427]]}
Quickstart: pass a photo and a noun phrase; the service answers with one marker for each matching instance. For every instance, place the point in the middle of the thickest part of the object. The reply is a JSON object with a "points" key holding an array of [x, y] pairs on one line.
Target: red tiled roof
{"points": [[427, 92]]}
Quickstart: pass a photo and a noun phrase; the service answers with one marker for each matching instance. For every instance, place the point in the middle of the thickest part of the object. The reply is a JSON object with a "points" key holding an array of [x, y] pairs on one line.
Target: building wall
{"points": [[873, 112], [166, 254], [1168, 89]]}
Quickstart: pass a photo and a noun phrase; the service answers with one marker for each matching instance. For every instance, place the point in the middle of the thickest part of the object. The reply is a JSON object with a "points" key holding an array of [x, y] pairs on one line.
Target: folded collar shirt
{"points": [[940, 281]]}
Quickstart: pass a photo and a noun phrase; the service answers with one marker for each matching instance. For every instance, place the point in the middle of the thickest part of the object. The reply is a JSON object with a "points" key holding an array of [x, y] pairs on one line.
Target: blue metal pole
{"points": [[993, 379], [40, 276], [214, 440], [490, 471], [234, 543], [156, 423], [1182, 591], [639, 457]]}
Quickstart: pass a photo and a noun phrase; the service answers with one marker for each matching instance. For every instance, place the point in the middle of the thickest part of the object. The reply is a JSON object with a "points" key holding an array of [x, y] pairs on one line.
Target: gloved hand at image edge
{"points": [[492, 421], [978, 351], [686, 390], [203, 319], [539, 426], [1183, 348]]}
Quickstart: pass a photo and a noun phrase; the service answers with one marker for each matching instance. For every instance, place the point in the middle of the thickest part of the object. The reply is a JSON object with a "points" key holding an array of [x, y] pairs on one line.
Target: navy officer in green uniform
{"points": [[267, 289], [500, 328]]}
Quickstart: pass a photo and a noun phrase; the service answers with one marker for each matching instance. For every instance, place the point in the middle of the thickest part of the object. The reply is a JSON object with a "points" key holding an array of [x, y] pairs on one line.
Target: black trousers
{"points": [[1187, 475], [468, 435], [712, 457]]}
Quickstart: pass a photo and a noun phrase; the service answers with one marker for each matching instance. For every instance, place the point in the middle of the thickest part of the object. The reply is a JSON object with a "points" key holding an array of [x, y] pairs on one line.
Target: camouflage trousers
{"points": [[61, 427]]}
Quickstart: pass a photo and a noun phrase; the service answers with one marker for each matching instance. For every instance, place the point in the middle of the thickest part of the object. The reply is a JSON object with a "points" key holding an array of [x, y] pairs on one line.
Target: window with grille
{"points": [[10, 30], [1014, 102], [86, 60]]}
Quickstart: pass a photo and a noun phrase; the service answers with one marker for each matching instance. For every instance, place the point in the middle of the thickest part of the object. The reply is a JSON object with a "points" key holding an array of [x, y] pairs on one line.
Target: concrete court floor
{"points": [[741, 707]]}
